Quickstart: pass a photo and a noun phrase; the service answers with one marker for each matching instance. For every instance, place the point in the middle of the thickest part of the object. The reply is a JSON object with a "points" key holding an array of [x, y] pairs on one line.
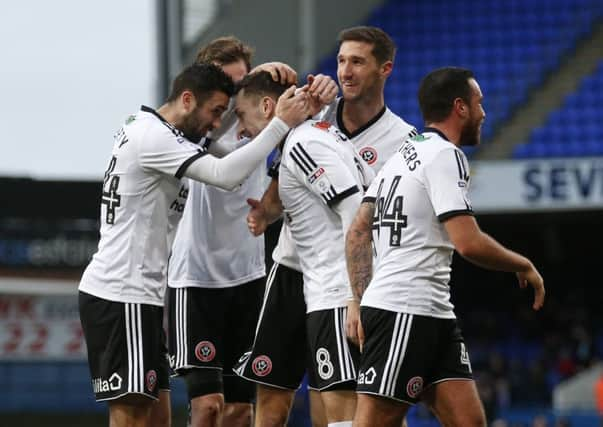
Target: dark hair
{"points": [[202, 80], [440, 88], [224, 51], [384, 48], [261, 83]]}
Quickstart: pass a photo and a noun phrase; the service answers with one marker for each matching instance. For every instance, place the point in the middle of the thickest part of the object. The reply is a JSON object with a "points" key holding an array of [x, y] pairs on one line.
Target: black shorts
{"points": [[404, 353], [333, 359], [209, 328], [126, 347], [278, 355]]}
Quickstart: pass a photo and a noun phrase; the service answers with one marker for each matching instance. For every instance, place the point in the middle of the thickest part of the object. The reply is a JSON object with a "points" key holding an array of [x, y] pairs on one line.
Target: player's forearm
{"points": [[486, 252], [233, 169], [219, 149], [358, 251], [359, 260]]}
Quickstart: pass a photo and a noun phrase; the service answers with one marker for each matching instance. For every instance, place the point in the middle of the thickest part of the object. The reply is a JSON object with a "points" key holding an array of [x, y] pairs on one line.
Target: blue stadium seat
{"points": [[511, 46], [576, 126]]}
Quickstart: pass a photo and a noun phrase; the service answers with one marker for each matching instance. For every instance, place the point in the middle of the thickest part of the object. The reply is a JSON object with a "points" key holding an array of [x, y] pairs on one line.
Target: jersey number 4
{"points": [[110, 196], [393, 219]]}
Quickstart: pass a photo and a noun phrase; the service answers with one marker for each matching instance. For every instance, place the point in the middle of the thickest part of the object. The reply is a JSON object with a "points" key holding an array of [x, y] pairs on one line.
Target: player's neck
{"points": [[170, 114], [449, 130], [357, 113]]}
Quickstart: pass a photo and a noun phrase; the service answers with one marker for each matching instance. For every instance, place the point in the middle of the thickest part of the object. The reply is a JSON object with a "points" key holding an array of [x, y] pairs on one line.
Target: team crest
{"points": [[151, 380], [261, 366], [205, 351], [369, 155], [322, 125], [414, 387]]}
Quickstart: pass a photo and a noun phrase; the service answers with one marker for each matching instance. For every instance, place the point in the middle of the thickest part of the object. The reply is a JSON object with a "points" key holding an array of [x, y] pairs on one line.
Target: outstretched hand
{"points": [[532, 277]]}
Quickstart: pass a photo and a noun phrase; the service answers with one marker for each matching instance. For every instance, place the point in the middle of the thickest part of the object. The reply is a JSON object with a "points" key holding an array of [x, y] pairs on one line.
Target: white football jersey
{"points": [[422, 185], [319, 167], [375, 142], [213, 246], [378, 139], [142, 202]]}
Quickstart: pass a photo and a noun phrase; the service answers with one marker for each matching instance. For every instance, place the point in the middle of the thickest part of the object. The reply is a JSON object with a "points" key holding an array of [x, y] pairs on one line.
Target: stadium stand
{"points": [[573, 130], [511, 46]]}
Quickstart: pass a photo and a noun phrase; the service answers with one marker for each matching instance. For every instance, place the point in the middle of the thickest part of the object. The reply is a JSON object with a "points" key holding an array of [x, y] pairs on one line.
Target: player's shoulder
{"points": [[150, 125], [430, 147], [316, 132], [398, 124]]}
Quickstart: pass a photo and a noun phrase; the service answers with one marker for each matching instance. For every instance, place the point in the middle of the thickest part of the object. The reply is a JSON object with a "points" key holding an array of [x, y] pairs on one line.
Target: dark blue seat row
{"points": [[511, 46], [573, 130]]}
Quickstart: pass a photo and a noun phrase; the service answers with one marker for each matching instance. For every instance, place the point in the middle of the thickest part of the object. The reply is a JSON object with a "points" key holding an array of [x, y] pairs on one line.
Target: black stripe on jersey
{"points": [[184, 166], [369, 199], [302, 157], [300, 162], [339, 197], [447, 215], [172, 129], [307, 156], [463, 175], [412, 133], [327, 196]]}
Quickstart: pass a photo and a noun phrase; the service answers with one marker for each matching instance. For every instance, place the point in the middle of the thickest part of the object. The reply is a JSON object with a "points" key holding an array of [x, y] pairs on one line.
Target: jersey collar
{"points": [[174, 130], [439, 132], [153, 112], [361, 128]]}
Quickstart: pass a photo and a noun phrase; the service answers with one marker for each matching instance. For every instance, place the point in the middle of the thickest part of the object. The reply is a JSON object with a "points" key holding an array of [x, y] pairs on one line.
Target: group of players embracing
{"points": [[358, 296]]}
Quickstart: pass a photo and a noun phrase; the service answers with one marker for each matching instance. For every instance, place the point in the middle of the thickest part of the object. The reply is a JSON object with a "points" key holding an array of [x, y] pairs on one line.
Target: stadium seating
{"points": [[511, 46], [573, 130]]}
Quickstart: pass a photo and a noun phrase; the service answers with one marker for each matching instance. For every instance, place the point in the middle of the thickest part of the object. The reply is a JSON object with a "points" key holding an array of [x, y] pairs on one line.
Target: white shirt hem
{"points": [[408, 310], [129, 299], [217, 284]]}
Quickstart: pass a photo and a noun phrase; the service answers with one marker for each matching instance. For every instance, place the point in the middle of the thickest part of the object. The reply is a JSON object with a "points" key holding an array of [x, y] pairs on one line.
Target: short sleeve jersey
{"points": [[319, 168], [375, 143], [142, 202], [213, 246], [422, 185]]}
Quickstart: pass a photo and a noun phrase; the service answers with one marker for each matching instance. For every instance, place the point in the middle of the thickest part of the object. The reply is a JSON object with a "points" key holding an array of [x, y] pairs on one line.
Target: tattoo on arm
{"points": [[358, 250]]}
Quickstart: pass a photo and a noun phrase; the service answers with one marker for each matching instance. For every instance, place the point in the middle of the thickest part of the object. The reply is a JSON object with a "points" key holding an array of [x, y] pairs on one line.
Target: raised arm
{"points": [[231, 170]]}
